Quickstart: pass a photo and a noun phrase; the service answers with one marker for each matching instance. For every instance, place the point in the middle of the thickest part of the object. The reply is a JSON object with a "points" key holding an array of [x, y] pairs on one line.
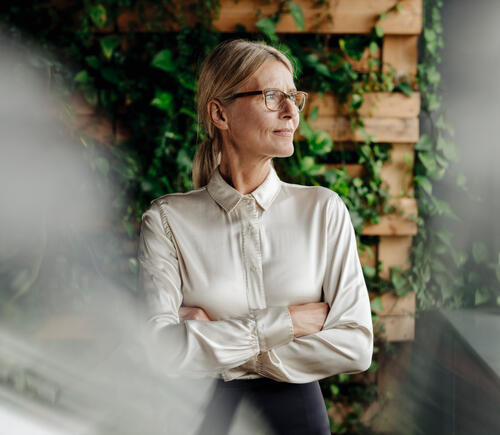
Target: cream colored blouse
{"points": [[244, 259]]}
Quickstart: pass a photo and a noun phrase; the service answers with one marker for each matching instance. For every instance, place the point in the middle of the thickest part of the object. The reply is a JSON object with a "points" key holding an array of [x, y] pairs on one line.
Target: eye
{"points": [[271, 94]]}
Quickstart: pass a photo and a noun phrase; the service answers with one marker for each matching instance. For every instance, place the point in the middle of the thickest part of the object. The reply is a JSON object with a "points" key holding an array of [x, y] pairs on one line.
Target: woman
{"points": [[249, 279]]}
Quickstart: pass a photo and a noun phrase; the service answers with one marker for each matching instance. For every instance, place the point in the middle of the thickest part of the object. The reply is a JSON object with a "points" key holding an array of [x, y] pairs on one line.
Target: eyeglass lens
{"points": [[275, 99]]}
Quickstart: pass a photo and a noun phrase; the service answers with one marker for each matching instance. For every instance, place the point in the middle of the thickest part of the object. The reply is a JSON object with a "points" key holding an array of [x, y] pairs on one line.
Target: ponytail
{"points": [[206, 159]]}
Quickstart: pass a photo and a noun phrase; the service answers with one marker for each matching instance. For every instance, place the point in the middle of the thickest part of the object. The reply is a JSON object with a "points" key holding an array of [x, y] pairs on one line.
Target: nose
{"points": [[289, 109]]}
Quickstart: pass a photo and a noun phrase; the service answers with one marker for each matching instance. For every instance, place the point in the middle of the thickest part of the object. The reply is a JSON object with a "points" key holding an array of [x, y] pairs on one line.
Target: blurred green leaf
{"points": [[108, 45], [297, 15], [267, 26], [405, 88], [376, 304], [479, 252], [98, 15], [164, 101], [163, 60]]}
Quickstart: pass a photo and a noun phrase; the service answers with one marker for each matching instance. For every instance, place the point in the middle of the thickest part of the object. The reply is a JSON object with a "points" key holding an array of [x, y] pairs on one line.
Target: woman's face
{"points": [[253, 129]]}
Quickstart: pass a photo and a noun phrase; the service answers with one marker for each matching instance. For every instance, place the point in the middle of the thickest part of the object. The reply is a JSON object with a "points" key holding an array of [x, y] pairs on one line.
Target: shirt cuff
{"points": [[274, 327]]}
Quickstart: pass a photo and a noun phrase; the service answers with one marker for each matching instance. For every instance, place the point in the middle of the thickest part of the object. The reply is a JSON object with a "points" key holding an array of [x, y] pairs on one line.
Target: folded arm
{"points": [[345, 343], [196, 347]]}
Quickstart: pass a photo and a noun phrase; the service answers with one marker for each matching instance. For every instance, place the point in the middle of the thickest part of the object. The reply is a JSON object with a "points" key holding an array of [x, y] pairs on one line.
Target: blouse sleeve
{"points": [[345, 343], [196, 347]]}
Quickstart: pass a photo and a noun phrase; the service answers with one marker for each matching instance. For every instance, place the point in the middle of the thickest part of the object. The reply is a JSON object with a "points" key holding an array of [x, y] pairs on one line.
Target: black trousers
{"points": [[291, 409]]}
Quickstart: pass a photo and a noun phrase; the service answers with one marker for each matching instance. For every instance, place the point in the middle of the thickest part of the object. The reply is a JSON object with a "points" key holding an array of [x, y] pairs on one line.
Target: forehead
{"points": [[271, 74]]}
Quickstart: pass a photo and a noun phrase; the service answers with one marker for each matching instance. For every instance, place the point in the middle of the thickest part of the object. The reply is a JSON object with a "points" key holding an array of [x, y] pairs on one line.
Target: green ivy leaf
{"points": [[481, 296], [297, 15], [314, 114], [82, 77], [379, 31], [461, 181], [376, 304], [163, 60], [405, 88], [267, 26], [306, 130], [424, 143], [98, 15], [374, 47], [163, 101], [356, 101], [479, 252], [323, 69], [369, 271], [428, 160], [334, 389], [424, 183], [93, 61], [108, 45], [111, 75]]}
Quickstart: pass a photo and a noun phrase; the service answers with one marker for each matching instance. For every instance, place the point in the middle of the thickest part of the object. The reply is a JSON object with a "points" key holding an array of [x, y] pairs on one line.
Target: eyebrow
{"points": [[294, 89]]}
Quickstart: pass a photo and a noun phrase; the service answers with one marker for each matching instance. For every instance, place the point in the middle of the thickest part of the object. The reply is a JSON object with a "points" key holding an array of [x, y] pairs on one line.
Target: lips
{"points": [[284, 132]]}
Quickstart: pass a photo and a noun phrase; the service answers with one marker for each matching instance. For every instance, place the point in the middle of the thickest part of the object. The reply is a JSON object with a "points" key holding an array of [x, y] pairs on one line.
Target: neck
{"points": [[244, 174]]}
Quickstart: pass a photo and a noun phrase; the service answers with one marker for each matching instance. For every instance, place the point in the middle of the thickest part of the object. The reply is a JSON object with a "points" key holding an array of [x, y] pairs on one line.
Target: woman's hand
{"points": [[308, 318], [193, 313]]}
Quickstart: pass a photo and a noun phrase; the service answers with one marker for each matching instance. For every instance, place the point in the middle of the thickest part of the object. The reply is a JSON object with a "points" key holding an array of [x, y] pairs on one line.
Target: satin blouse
{"points": [[244, 259]]}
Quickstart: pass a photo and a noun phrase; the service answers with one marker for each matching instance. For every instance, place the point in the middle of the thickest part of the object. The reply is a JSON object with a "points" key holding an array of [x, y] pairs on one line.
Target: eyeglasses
{"points": [[275, 98]]}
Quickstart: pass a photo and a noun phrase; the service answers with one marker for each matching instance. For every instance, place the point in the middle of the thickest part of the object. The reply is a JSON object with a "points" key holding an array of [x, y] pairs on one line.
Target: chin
{"points": [[284, 151]]}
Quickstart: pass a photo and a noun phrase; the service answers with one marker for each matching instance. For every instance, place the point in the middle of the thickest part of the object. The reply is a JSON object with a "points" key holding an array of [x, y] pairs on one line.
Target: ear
{"points": [[218, 114]]}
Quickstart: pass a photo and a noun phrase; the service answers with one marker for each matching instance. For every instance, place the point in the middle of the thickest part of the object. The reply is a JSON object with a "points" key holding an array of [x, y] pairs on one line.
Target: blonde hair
{"points": [[226, 69]]}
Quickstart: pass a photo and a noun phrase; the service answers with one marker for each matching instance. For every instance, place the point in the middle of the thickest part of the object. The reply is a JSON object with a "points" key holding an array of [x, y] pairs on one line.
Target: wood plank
{"points": [[393, 305], [393, 251], [354, 170], [375, 105], [393, 130], [398, 328], [397, 173], [347, 16], [400, 51], [398, 223]]}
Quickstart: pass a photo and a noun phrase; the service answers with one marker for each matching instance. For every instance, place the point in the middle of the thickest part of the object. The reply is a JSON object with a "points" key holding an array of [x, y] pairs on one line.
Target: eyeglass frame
{"points": [[263, 91]]}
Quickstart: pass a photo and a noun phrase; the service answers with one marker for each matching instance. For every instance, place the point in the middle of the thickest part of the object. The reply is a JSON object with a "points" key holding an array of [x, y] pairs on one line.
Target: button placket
{"points": [[252, 253]]}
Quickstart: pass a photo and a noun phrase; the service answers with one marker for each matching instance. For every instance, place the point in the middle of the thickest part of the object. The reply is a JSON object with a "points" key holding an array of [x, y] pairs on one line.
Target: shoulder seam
{"points": [[163, 216]]}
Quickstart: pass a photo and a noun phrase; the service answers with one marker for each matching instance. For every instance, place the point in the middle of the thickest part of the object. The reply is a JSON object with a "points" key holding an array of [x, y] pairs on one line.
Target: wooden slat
{"points": [[354, 170], [394, 130], [347, 16], [393, 251], [375, 105], [401, 52], [398, 328], [396, 224], [397, 175], [392, 305]]}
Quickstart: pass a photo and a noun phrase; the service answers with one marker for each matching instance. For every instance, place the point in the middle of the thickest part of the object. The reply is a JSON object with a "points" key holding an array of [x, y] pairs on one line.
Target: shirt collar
{"points": [[228, 197]]}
